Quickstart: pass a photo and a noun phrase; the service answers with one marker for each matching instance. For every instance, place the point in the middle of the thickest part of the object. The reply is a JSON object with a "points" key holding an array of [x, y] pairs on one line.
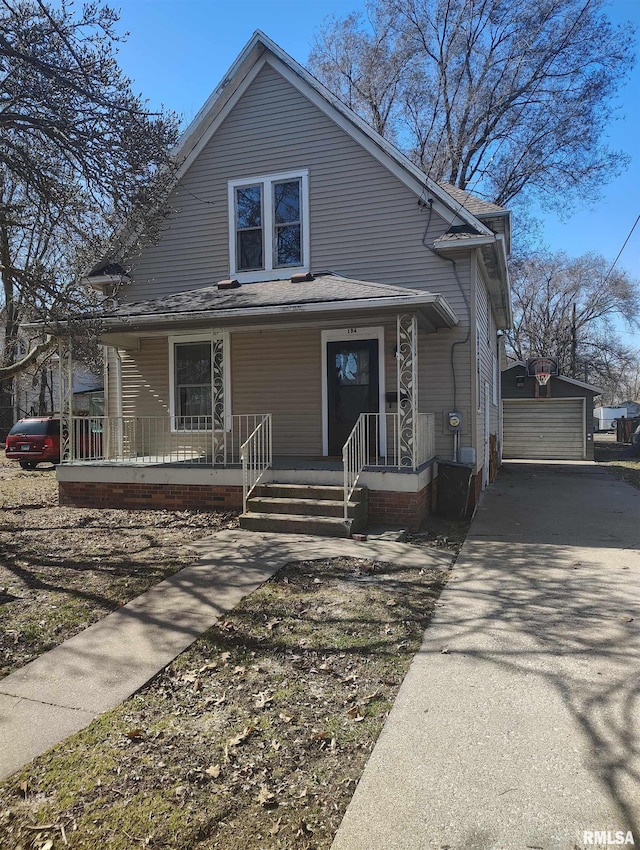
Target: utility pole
{"points": [[574, 341]]}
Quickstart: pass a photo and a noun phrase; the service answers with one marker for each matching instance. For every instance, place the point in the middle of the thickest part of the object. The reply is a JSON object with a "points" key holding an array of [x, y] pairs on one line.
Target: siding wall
{"points": [[280, 371], [486, 348], [364, 224]]}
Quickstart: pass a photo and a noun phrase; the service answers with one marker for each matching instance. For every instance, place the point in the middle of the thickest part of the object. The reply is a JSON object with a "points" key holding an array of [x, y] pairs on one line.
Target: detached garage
{"points": [[552, 422]]}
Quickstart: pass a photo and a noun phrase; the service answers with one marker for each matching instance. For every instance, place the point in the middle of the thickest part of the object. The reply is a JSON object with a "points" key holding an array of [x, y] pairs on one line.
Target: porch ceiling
{"points": [[316, 296]]}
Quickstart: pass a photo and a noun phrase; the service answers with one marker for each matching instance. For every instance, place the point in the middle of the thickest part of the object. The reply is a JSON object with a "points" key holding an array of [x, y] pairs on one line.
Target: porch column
{"points": [[65, 398], [407, 371], [218, 412]]}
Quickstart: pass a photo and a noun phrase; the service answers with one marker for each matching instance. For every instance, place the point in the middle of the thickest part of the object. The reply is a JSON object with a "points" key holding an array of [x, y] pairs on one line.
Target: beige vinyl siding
{"points": [[486, 348], [545, 429], [364, 222], [145, 379], [279, 372]]}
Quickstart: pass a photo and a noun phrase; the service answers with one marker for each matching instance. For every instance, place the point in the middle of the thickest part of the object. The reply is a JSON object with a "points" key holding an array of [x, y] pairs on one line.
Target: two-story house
{"points": [[314, 313]]}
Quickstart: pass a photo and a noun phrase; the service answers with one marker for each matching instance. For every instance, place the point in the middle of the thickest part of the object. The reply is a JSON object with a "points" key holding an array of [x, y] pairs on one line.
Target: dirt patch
{"points": [[63, 568], [253, 738]]}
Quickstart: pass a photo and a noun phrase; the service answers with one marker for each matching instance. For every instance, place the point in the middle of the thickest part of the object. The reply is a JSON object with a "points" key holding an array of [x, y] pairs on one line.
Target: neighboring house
{"points": [[314, 298], [35, 391], [546, 423]]}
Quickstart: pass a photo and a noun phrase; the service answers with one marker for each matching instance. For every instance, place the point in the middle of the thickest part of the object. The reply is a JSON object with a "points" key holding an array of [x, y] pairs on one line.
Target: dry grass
{"points": [[253, 738], [62, 569], [619, 460]]}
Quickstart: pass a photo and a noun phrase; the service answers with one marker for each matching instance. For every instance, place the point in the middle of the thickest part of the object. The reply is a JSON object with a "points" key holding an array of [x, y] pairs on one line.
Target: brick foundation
{"points": [[162, 497], [409, 510]]}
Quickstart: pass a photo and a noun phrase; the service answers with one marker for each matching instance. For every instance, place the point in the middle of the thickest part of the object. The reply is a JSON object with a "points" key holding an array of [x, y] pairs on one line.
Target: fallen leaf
{"points": [[213, 770], [265, 797], [369, 698], [241, 736], [273, 623], [626, 618], [239, 670], [212, 665], [286, 717], [445, 650], [275, 829], [24, 787], [225, 657], [135, 734], [261, 700], [276, 745]]}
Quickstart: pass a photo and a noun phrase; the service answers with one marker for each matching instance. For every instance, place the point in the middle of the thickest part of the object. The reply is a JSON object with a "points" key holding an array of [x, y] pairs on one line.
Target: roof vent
{"points": [[228, 284], [302, 277]]}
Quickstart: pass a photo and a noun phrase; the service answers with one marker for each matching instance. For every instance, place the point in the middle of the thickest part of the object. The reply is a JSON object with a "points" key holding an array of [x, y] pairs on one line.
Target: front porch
{"points": [[320, 392], [138, 462]]}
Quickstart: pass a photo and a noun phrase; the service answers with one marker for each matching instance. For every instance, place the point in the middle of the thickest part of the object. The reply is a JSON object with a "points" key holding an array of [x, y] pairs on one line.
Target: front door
{"points": [[352, 387]]}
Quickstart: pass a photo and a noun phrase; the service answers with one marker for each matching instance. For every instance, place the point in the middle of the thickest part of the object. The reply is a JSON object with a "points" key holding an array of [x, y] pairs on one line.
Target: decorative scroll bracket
{"points": [[407, 370], [65, 398]]}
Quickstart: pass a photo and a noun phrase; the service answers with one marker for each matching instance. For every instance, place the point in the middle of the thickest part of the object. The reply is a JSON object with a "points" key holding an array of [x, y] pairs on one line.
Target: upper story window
{"points": [[269, 226]]}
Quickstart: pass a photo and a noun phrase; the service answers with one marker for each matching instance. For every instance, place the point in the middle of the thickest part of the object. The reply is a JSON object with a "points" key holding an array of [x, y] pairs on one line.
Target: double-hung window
{"points": [[197, 384], [269, 226]]}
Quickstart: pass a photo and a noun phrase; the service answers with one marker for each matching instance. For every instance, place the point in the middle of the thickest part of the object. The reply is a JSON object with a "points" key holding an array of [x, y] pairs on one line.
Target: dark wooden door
{"points": [[352, 387]]}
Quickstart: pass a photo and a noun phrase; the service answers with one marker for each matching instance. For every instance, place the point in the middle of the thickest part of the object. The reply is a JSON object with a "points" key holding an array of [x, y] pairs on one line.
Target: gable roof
{"points": [[261, 50], [566, 378]]}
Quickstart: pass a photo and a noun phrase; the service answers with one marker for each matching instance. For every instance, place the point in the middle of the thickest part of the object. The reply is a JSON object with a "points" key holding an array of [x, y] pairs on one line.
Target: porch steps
{"points": [[305, 509]]}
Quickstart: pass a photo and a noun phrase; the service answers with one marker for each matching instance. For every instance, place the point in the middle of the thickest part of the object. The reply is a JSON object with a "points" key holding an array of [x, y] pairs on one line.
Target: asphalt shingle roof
{"points": [[476, 206], [322, 288]]}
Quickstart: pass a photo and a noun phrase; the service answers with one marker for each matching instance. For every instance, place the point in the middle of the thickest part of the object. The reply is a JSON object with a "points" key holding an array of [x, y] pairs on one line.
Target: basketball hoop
{"points": [[542, 378]]}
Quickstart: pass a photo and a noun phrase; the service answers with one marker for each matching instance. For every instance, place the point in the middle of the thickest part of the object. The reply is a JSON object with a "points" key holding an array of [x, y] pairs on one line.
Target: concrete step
{"points": [[306, 507], [322, 526], [307, 491]]}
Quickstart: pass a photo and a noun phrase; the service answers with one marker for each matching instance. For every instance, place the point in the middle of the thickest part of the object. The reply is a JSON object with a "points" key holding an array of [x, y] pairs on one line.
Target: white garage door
{"points": [[544, 429]]}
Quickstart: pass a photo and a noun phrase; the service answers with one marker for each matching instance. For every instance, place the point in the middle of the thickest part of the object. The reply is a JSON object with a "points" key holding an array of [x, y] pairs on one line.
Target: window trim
{"points": [[269, 272], [186, 339]]}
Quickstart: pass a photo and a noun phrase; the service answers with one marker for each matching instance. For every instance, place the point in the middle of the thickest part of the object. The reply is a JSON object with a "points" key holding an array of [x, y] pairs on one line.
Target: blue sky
{"points": [[178, 50]]}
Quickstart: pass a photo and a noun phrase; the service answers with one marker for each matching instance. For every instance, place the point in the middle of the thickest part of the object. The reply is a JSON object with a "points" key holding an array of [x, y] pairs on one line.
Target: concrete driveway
{"points": [[518, 724]]}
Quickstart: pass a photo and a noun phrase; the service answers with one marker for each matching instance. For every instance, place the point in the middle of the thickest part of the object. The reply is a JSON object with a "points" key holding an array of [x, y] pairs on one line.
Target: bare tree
{"points": [[508, 100], [568, 308], [80, 157]]}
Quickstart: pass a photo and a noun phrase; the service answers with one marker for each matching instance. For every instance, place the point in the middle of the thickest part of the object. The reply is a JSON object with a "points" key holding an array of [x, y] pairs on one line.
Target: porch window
{"points": [[193, 385], [197, 390], [269, 226]]}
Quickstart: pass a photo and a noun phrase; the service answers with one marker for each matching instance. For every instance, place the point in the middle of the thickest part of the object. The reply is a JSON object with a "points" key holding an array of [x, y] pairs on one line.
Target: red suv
{"points": [[33, 441]]}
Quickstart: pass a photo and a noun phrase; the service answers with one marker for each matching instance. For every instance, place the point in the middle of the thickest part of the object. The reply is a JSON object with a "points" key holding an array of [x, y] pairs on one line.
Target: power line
{"points": [[613, 265]]}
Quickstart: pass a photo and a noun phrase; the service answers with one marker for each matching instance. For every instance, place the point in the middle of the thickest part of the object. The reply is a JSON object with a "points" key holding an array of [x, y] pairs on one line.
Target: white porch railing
{"points": [[375, 442], [257, 456], [158, 439], [354, 459]]}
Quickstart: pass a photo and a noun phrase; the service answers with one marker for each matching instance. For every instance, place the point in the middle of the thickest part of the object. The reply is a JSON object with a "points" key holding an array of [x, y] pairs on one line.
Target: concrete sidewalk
{"points": [[64, 689], [518, 724]]}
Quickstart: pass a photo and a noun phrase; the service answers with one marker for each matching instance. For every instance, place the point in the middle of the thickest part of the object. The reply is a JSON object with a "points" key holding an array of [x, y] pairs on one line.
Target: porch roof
{"points": [[320, 293]]}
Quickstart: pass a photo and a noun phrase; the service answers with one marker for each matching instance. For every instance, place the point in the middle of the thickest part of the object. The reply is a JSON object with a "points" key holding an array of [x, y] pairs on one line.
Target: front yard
{"points": [[254, 737]]}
